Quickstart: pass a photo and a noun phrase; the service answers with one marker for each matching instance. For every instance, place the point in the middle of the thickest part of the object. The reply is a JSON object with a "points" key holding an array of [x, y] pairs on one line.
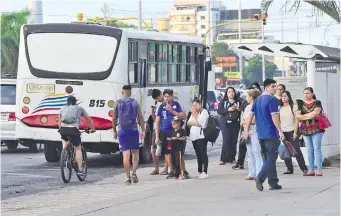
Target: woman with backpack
{"points": [[196, 122], [229, 110], [289, 125]]}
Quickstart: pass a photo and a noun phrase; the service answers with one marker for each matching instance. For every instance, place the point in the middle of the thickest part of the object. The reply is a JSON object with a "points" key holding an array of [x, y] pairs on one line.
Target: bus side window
{"points": [[133, 65], [193, 74], [151, 64], [162, 64], [173, 63]]}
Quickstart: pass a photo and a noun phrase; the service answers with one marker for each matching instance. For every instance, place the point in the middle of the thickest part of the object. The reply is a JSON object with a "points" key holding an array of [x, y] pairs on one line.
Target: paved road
{"points": [[24, 173], [224, 192]]}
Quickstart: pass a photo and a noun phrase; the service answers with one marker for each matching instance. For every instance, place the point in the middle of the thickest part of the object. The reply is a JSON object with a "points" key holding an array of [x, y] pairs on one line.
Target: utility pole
{"points": [[209, 26], [240, 37], [105, 10], [263, 59], [139, 14], [282, 42], [297, 32]]}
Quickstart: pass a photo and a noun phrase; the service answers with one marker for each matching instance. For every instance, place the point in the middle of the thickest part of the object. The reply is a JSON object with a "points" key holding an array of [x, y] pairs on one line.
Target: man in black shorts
{"points": [[69, 118], [163, 124]]}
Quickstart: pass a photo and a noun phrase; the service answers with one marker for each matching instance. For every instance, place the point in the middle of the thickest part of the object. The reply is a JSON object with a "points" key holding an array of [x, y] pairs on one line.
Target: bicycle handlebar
{"points": [[87, 130]]}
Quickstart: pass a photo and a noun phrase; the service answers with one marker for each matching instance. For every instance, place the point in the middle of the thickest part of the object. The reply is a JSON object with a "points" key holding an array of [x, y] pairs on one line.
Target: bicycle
{"points": [[68, 161]]}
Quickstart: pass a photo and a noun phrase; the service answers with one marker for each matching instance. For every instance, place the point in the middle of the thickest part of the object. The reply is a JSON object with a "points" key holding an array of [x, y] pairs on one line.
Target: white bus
{"points": [[93, 62]]}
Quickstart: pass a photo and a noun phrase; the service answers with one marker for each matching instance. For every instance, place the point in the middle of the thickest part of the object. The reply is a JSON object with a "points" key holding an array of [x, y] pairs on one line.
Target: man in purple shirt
{"points": [[265, 110]]}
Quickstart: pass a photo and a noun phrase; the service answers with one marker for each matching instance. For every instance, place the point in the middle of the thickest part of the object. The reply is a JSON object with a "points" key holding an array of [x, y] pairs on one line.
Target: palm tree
{"points": [[10, 34], [329, 7]]}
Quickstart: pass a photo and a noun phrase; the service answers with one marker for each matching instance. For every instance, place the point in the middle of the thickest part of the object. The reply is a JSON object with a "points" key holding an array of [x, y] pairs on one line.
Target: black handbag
{"points": [[232, 115]]}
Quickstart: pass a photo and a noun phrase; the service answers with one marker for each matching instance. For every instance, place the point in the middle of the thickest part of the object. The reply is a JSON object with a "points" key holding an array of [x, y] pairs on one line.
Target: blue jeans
{"points": [[314, 143], [269, 154]]}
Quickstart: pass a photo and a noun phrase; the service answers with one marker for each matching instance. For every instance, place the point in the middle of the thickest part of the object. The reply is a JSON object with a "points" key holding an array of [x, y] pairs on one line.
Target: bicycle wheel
{"points": [[65, 165], [85, 165]]}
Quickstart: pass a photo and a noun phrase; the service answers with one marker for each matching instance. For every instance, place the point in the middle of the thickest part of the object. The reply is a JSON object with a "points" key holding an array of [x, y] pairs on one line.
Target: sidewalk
{"points": [[225, 192]]}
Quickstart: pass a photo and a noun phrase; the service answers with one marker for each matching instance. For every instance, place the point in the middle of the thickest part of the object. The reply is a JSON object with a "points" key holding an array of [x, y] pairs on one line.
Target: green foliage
{"points": [[120, 24], [220, 49], [253, 72], [10, 34]]}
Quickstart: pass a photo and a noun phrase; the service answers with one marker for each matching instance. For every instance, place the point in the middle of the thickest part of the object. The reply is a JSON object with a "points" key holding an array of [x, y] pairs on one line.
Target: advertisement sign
{"points": [[226, 61], [327, 67], [232, 76], [296, 84]]}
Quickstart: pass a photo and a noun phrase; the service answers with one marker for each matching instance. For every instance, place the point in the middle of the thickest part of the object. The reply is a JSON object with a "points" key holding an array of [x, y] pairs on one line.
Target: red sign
{"points": [[218, 81]]}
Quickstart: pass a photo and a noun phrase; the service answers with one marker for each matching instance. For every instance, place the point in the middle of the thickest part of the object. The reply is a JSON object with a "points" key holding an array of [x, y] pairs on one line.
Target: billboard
{"points": [[232, 76], [226, 61]]}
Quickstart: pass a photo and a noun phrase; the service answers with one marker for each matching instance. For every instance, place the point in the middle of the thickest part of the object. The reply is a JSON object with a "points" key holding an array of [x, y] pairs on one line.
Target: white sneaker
{"points": [[203, 175]]}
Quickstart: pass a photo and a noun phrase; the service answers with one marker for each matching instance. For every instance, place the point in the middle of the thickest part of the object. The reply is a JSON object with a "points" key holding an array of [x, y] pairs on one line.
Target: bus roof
{"points": [[162, 36], [138, 34]]}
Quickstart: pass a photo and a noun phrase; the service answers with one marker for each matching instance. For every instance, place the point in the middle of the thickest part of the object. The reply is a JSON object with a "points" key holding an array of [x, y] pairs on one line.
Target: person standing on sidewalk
{"points": [[163, 124], [242, 150], [252, 143], [197, 121], [280, 89], [177, 139], [312, 133], [229, 109], [265, 110], [158, 97], [289, 125], [126, 112]]}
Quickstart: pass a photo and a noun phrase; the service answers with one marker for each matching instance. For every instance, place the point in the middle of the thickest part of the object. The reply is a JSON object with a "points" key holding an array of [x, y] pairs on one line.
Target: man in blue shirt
{"points": [[265, 110], [163, 124]]}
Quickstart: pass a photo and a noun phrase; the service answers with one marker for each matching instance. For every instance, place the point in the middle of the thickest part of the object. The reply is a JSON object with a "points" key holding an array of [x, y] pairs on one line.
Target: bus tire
{"points": [[11, 144], [51, 153], [145, 153]]}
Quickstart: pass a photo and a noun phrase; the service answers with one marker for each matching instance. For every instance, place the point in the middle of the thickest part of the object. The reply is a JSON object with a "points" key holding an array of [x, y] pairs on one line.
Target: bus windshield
{"points": [[71, 53]]}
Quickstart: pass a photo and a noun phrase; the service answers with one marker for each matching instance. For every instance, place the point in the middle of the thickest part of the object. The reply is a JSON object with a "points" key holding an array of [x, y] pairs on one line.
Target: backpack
{"points": [[69, 114], [212, 130], [127, 116]]}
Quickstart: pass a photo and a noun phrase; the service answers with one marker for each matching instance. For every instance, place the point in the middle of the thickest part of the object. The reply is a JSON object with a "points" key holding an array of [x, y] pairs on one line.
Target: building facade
{"points": [[193, 18]]}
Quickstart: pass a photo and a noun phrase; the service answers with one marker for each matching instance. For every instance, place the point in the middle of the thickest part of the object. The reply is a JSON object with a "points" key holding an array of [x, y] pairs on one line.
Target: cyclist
{"points": [[69, 119]]}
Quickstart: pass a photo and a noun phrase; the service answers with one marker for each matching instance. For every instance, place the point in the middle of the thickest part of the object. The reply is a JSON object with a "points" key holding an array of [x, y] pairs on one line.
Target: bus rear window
{"points": [[75, 53], [8, 93]]}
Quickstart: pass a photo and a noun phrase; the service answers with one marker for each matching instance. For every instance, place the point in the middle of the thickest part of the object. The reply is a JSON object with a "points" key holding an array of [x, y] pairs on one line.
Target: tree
{"points": [[253, 72], [330, 7], [10, 34], [120, 24], [220, 49]]}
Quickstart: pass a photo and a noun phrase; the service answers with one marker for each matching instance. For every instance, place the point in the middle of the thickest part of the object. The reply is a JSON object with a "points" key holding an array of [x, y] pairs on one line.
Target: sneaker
{"points": [[276, 187], [80, 173], [259, 184], [289, 172], [170, 175], [203, 176], [181, 177], [128, 181], [237, 167], [134, 177], [186, 175], [158, 150]]}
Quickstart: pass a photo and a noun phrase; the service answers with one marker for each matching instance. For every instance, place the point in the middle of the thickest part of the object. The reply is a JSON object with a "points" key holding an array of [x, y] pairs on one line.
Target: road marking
{"points": [[28, 175]]}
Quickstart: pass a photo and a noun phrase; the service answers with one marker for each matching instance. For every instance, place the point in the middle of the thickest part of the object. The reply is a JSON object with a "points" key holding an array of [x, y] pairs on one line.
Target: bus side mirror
{"points": [[208, 63]]}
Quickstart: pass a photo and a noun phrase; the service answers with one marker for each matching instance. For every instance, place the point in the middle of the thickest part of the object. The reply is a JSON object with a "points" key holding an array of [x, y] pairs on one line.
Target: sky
{"points": [[320, 30]]}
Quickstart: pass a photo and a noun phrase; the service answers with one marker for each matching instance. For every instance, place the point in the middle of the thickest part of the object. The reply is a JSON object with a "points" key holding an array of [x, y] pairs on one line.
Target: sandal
{"points": [[134, 178], [310, 173], [154, 173], [318, 174], [164, 172], [222, 163], [249, 178]]}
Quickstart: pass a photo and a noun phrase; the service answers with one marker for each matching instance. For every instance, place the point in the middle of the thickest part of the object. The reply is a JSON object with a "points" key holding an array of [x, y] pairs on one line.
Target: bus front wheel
{"points": [[51, 152]]}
